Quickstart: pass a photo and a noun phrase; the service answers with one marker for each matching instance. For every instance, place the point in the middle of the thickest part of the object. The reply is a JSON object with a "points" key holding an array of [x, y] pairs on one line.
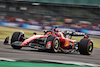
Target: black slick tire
{"points": [[85, 46], [15, 37]]}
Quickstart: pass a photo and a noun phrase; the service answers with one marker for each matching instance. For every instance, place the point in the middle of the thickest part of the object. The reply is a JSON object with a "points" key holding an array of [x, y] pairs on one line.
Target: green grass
{"points": [[7, 31], [34, 64]]}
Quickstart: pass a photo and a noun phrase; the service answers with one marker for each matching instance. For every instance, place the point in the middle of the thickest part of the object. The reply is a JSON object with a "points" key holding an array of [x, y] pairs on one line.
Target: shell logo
{"points": [[49, 32], [67, 43]]}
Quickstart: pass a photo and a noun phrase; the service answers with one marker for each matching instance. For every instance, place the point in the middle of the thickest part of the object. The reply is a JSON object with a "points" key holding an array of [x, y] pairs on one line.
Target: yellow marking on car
{"points": [[67, 43]]}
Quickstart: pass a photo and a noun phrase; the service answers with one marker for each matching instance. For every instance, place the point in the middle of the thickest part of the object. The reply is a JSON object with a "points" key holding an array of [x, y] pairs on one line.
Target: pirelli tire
{"points": [[55, 44], [86, 46], [17, 36]]}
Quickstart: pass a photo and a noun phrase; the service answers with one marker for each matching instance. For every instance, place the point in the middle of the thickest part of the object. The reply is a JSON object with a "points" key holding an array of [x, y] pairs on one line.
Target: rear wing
{"points": [[73, 33]]}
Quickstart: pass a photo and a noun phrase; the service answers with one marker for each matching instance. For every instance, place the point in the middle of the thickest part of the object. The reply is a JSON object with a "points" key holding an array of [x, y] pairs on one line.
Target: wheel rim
{"points": [[90, 48], [56, 46]]}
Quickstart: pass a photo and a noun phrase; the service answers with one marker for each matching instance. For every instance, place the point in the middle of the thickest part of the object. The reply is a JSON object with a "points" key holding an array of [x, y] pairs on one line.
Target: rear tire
{"points": [[86, 46], [16, 37]]}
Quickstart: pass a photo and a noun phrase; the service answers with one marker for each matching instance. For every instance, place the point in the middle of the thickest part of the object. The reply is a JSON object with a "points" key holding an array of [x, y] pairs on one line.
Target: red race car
{"points": [[53, 41]]}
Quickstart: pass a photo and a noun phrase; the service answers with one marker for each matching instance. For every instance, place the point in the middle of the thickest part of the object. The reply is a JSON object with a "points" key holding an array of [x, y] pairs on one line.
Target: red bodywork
{"points": [[64, 42]]}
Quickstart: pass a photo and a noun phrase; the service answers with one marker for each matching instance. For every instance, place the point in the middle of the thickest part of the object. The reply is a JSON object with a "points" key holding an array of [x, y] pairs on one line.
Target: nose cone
{"points": [[32, 38], [27, 41]]}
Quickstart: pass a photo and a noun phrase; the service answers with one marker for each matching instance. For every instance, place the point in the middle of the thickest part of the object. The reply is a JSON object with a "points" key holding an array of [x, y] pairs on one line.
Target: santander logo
{"points": [[48, 46]]}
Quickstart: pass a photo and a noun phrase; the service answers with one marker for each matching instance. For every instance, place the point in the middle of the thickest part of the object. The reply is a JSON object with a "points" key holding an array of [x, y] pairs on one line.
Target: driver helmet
{"points": [[56, 30]]}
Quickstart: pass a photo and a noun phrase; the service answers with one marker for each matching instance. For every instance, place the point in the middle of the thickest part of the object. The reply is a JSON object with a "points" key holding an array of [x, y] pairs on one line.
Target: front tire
{"points": [[86, 46], [55, 44], [17, 36]]}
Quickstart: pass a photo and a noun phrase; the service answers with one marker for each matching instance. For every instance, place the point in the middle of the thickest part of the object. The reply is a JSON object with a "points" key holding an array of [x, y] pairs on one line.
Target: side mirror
{"points": [[34, 33], [45, 31], [86, 36]]}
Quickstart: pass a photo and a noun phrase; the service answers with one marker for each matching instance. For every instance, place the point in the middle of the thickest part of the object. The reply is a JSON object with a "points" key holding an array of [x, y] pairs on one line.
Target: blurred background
{"points": [[78, 15], [36, 15]]}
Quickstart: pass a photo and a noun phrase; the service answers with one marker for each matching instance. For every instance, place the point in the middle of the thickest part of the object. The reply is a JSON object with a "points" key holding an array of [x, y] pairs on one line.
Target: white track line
{"points": [[1, 40], [72, 62], [6, 59], [57, 61]]}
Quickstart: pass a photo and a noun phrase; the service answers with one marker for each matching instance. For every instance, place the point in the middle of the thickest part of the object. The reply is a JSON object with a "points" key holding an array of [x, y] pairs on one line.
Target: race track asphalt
{"points": [[6, 51]]}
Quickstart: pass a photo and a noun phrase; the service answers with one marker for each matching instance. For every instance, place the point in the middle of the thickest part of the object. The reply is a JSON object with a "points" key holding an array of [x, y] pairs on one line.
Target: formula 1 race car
{"points": [[53, 41]]}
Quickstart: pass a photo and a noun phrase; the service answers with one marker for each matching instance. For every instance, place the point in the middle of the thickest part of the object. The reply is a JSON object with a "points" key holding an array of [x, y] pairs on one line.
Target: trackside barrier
{"points": [[41, 27]]}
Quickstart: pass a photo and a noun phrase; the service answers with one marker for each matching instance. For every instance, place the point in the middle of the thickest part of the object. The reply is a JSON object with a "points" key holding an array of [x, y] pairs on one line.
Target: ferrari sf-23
{"points": [[53, 41]]}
